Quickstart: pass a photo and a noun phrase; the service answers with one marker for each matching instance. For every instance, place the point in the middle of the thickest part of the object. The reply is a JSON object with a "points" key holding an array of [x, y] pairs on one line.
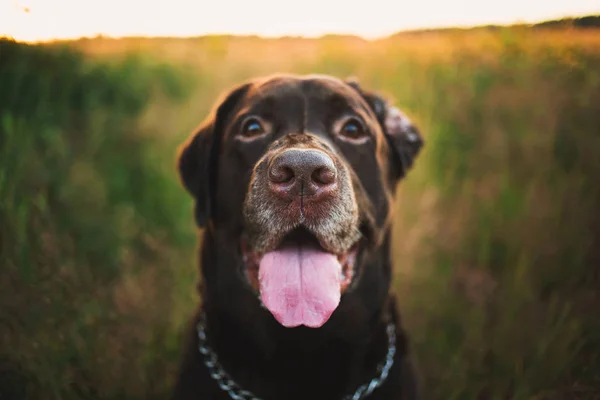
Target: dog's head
{"points": [[294, 177]]}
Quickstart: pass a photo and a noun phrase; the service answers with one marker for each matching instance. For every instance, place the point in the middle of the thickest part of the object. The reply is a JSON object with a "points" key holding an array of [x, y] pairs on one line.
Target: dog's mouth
{"points": [[300, 282]]}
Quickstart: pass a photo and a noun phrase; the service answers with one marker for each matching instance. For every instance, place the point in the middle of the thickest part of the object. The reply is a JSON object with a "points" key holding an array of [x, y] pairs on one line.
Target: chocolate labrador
{"points": [[293, 179]]}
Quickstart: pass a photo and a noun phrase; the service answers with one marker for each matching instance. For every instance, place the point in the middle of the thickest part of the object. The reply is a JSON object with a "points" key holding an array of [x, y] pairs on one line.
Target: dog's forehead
{"points": [[312, 90]]}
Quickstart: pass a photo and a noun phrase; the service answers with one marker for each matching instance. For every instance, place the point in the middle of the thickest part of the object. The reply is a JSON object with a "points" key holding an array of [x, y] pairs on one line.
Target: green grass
{"points": [[90, 217], [497, 231], [509, 283]]}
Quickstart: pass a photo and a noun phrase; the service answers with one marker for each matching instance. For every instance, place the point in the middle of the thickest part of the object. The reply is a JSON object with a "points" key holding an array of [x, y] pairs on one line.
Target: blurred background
{"points": [[497, 234]]}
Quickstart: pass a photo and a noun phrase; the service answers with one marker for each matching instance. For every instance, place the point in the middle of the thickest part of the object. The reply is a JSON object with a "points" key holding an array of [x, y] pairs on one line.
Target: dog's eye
{"points": [[252, 127], [353, 129]]}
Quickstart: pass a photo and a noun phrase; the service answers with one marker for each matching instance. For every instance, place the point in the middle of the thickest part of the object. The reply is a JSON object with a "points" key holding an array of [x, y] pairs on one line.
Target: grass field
{"points": [[497, 234]]}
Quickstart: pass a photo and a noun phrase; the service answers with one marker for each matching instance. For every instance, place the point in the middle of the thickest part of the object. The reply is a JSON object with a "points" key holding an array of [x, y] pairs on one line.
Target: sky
{"points": [[35, 20]]}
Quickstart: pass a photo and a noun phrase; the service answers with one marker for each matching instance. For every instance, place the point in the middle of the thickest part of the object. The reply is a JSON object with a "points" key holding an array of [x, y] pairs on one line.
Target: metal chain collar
{"points": [[228, 385]]}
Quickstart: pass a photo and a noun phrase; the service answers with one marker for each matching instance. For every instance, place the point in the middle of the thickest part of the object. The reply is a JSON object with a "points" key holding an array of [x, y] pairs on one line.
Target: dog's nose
{"points": [[305, 172]]}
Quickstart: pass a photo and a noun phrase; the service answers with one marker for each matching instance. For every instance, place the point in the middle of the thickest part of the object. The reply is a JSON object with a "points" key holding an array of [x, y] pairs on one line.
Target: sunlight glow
{"points": [[33, 20]]}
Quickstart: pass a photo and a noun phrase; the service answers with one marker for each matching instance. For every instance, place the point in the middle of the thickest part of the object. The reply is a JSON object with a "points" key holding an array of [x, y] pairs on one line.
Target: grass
{"points": [[497, 227], [88, 226]]}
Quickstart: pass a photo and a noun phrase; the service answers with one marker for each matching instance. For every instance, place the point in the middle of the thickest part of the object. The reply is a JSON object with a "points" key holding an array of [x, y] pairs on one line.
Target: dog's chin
{"points": [[300, 282]]}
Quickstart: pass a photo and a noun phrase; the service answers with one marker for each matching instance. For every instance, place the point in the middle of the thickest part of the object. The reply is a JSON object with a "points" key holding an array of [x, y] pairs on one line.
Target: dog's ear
{"points": [[403, 136], [198, 156]]}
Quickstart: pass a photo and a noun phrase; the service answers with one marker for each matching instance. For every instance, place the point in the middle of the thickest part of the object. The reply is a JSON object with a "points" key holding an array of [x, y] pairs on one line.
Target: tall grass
{"points": [[90, 219], [497, 227], [508, 285]]}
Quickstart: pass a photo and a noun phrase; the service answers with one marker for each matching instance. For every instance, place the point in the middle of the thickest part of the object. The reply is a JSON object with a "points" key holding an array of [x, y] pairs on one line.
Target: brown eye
{"points": [[353, 129], [252, 127]]}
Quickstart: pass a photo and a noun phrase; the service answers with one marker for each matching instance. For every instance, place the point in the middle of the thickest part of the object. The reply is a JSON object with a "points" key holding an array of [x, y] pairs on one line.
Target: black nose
{"points": [[305, 172]]}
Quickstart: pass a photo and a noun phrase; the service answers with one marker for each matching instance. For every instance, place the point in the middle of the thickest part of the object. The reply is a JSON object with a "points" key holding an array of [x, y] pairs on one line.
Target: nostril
{"points": [[323, 176], [281, 174]]}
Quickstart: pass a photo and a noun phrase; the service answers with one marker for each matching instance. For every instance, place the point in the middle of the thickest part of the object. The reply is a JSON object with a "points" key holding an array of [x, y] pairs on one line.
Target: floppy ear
{"points": [[198, 157], [402, 135], [193, 168]]}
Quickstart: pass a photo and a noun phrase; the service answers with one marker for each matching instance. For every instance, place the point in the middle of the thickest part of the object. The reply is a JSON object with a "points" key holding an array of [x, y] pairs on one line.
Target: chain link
{"points": [[228, 385]]}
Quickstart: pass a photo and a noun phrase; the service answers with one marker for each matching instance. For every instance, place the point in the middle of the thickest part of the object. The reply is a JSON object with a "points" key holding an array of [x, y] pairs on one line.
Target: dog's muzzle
{"points": [[301, 221]]}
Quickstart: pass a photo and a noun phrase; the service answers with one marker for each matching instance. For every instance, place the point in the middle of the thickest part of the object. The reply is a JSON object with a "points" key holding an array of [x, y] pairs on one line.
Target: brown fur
{"points": [[227, 175]]}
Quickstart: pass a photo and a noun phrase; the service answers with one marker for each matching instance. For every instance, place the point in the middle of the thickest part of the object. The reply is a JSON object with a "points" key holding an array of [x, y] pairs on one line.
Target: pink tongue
{"points": [[300, 285]]}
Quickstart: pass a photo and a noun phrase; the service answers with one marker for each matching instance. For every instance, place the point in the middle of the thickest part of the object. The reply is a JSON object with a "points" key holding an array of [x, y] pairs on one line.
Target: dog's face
{"points": [[296, 174]]}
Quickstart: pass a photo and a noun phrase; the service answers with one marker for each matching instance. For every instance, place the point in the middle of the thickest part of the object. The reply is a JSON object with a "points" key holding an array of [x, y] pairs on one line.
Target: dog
{"points": [[293, 179]]}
